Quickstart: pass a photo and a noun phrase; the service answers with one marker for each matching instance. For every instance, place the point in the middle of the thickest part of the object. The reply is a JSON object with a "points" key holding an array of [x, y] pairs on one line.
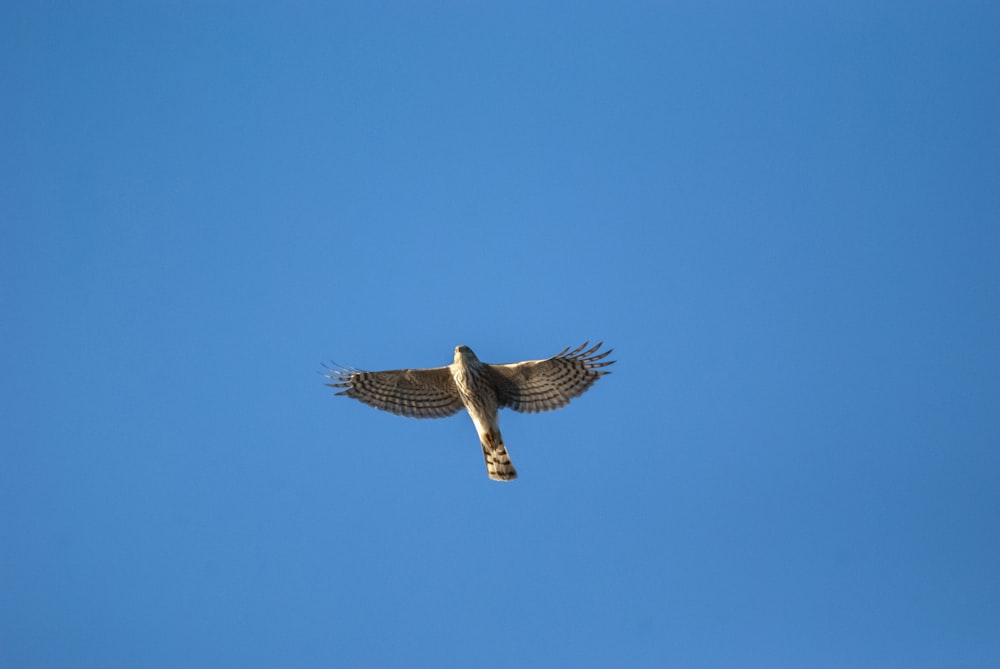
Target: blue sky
{"points": [[783, 217]]}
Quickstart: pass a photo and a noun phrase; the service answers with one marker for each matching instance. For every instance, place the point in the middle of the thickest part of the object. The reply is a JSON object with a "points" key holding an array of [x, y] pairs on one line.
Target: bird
{"points": [[481, 389]]}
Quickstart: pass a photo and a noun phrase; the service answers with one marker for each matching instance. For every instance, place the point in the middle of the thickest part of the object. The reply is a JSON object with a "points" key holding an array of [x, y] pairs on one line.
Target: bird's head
{"points": [[464, 353]]}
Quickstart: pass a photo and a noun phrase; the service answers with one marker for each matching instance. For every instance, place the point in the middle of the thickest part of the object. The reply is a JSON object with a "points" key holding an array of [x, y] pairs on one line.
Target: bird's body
{"points": [[482, 389], [480, 399]]}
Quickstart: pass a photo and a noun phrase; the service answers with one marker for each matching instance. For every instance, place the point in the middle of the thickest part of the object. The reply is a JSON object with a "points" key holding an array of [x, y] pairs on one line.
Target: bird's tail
{"points": [[498, 464]]}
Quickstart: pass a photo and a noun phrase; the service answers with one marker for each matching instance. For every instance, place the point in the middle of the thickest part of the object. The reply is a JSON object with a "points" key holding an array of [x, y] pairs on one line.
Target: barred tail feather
{"points": [[498, 464]]}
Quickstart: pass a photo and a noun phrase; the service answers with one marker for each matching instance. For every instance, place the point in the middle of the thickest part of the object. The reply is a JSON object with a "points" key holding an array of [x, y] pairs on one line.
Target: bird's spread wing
{"points": [[543, 385], [419, 393]]}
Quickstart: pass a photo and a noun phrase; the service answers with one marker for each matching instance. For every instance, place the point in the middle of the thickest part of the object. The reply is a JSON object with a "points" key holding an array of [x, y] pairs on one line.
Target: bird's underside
{"points": [[479, 388]]}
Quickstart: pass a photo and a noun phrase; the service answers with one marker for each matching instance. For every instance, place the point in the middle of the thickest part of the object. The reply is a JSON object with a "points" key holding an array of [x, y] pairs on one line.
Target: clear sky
{"points": [[784, 217]]}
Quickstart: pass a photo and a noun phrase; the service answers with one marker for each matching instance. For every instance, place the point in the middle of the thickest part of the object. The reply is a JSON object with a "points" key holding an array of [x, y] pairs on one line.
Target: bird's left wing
{"points": [[418, 393], [543, 385]]}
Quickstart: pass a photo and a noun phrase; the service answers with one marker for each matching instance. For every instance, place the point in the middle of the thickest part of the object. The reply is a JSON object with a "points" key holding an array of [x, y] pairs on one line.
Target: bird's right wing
{"points": [[543, 385], [418, 393]]}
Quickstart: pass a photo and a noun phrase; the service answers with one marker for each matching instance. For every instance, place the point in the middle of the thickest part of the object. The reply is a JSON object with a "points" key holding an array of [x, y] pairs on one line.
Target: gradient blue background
{"points": [[785, 219]]}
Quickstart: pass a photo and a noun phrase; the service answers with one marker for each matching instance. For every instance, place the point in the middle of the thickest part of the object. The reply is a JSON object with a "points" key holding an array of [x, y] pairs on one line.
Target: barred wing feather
{"points": [[418, 393], [544, 385]]}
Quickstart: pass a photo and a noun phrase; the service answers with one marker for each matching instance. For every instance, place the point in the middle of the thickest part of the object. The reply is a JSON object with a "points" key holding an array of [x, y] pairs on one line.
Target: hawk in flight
{"points": [[480, 389]]}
